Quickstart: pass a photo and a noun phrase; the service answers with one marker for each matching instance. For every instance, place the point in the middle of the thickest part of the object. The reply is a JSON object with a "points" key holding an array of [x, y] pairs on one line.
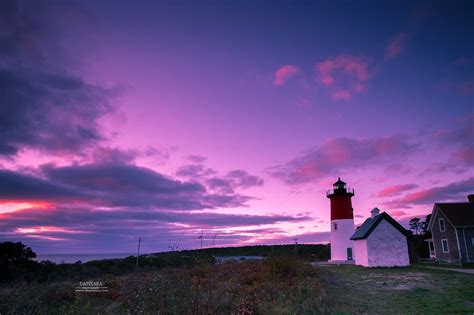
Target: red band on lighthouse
{"points": [[341, 207]]}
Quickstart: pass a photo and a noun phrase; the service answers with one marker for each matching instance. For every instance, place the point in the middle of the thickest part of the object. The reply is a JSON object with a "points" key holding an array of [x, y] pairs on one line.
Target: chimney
{"points": [[470, 197], [374, 212]]}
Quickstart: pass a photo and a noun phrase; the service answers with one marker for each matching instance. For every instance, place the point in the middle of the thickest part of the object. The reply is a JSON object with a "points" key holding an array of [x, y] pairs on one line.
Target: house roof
{"points": [[459, 214], [371, 223]]}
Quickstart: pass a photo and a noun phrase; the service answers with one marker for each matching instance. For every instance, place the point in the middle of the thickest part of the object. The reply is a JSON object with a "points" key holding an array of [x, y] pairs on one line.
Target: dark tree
{"points": [[415, 225], [16, 260], [424, 224]]}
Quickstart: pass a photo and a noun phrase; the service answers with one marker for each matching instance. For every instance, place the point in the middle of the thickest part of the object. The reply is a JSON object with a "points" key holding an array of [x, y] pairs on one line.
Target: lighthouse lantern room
{"points": [[342, 221]]}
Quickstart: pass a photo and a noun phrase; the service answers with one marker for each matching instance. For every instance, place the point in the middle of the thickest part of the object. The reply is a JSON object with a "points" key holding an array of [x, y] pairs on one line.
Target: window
{"points": [[431, 246], [444, 244], [442, 228], [335, 226]]}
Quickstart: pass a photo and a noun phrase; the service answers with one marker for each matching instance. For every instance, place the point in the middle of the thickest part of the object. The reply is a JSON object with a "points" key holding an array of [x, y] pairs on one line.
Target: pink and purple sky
{"points": [[159, 119]]}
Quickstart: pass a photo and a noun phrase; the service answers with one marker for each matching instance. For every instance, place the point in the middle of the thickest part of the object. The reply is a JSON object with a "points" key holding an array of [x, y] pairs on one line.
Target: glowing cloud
{"points": [[351, 70], [284, 73]]}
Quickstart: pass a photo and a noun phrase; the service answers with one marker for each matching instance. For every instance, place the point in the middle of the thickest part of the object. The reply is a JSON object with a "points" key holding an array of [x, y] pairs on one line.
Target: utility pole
{"points": [[213, 240], [201, 238], [138, 251], [296, 246], [179, 241]]}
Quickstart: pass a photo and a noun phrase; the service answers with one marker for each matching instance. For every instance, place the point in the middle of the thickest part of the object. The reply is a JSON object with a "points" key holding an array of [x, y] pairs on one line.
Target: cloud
{"points": [[395, 190], [233, 180], [194, 171], [459, 142], [396, 45], [44, 106], [106, 230], [68, 218], [398, 213], [341, 155], [456, 191], [343, 75], [50, 112], [113, 185], [15, 186], [284, 73], [110, 155], [242, 179], [228, 183]]}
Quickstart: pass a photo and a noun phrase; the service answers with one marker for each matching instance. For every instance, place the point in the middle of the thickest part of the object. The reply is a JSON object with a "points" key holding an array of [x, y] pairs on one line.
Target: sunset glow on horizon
{"points": [[164, 120]]}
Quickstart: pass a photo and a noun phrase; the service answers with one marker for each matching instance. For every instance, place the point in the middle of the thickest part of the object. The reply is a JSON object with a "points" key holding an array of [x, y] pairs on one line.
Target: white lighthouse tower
{"points": [[342, 222]]}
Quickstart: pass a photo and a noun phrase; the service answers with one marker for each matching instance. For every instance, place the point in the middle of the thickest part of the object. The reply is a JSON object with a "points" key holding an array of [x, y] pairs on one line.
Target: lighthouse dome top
{"points": [[339, 184], [339, 188]]}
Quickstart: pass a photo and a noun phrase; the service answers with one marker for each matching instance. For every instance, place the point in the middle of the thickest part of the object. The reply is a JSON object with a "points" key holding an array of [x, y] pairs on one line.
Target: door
{"points": [[349, 253]]}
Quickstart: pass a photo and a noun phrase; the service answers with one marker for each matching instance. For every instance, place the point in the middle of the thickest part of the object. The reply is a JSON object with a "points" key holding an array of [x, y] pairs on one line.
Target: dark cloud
{"points": [[232, 181], [223, 184], [16, 186], [117, 178], [195, 171], [113, 185], [44, 106], [82, 217], [341, 155], [110, 155], [56, 113], [242, 179]]}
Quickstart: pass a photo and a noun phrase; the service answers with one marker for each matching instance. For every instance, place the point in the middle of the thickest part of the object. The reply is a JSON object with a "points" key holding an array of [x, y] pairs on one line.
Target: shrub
{"points": [[16, 261]]}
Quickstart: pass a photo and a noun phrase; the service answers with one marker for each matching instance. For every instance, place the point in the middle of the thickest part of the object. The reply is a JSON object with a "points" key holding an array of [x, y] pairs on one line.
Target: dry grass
{"points": [[278, 285]]}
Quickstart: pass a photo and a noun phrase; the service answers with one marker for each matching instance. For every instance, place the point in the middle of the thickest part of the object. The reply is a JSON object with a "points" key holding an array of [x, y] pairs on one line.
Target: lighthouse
{"points": [[342, 221]]}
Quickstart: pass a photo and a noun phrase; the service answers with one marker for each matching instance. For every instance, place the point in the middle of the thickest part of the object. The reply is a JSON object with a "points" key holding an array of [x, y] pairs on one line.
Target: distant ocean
{"points": [[72, 258]]}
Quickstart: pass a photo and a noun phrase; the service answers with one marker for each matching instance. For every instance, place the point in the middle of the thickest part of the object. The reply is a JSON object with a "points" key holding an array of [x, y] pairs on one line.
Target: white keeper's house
{"points": [[381, 242]]}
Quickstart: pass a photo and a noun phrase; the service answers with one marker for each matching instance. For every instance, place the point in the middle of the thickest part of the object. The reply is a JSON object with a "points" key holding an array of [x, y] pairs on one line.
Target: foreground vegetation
{"points": [[278, 285], [17, 264], [189, 282]]}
